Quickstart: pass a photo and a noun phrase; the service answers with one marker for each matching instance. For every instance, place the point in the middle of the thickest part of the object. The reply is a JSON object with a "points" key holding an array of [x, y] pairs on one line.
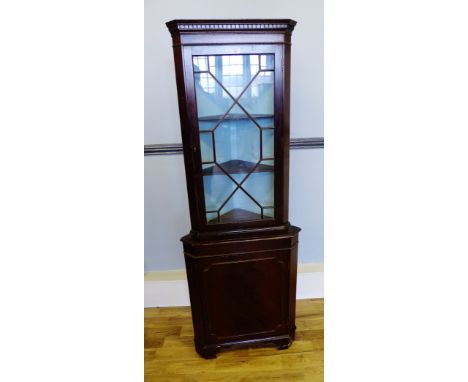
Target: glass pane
{"points": [[210, 103], [259, 101], [237, 140], [236, 71], [206, 146], [240, 208], [268, 143], [217, 187], [254, 64], [207, 125], [267, 61], [200, 63], [260, 185], [211, 217], [265, 121], [268, 213], [235, 101]]}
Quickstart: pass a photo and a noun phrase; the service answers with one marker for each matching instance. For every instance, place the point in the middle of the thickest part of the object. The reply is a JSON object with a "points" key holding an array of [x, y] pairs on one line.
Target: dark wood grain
{"points": [[242, 291], [241, 274], [238, 214]]}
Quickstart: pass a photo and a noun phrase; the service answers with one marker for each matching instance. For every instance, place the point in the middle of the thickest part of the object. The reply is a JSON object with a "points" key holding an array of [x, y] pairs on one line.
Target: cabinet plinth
{"points": [[241, 255]]}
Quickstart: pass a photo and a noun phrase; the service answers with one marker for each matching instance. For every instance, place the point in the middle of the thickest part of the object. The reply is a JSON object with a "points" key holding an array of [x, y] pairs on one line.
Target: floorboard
{"points": [[170, 354]]}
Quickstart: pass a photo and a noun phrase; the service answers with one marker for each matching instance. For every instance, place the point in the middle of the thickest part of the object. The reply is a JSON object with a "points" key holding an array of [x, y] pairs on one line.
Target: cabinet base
{"points": [[242, 291], [211, 351]]}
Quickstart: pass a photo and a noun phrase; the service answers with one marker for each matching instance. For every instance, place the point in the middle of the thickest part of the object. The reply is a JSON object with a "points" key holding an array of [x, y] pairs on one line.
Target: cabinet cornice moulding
{"points": [[178, 26]]}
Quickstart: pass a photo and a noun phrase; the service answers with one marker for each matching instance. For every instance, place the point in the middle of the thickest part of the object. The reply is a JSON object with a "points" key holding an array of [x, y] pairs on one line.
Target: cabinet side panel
{"points": [[196, 295], [292, 289], [285, 132], [189, 144]]}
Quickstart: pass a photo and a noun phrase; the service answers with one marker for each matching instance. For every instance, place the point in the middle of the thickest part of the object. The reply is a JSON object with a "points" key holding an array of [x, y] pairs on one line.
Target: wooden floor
{"points": [[170, 353]]}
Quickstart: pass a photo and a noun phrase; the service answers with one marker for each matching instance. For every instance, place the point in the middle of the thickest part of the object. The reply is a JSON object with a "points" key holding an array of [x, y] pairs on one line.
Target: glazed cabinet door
{"points": [[235, 98]]}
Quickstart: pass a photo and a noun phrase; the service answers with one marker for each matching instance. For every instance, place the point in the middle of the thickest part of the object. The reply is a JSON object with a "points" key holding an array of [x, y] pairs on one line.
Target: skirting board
{"points": [[169, 288]]}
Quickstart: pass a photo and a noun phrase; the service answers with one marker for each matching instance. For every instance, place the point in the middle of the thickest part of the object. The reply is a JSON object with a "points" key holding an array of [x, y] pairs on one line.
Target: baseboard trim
{"points": [[169, 288]]}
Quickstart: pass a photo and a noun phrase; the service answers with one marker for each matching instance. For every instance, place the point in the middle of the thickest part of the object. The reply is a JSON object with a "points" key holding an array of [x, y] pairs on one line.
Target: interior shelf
{"points": [[236, 215], [234, 116], [237, 166]]}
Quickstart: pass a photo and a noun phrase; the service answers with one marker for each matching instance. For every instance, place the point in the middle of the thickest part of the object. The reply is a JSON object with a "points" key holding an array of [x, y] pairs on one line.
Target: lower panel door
{"points": [[245, 296]]}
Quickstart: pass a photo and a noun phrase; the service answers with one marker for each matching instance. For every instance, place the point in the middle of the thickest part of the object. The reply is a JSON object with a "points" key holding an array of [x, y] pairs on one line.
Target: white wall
{"points": [[167, 216], [166, 204]]}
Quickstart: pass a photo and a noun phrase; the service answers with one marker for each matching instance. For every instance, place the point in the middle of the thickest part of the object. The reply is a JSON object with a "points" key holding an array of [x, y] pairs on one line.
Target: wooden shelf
{"points": [[237, 166], [236, 215], [233, 117]]}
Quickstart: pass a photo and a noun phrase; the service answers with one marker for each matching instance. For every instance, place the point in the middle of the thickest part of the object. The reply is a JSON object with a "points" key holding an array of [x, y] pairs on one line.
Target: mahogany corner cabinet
{"points": [[241, 253]]}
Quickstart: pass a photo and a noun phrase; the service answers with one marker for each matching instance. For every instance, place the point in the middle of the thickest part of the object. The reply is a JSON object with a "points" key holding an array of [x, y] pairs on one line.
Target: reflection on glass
{"points": [[261, 187], [212, 217], [265, 121], [237, 139], [267, 61], [217, 189], [268, 212], [206, 125], [260, 101], [268, 143], [206, 147], [235, 106], [240, 207], [209, 101], [200, 63]]}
